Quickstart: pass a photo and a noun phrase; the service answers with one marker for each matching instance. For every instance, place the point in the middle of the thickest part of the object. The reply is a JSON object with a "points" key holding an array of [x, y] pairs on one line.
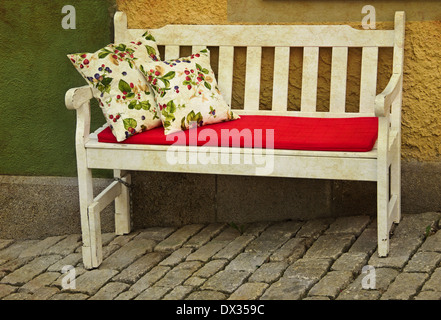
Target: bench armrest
{"points": [[384, 100], [76, 97]]}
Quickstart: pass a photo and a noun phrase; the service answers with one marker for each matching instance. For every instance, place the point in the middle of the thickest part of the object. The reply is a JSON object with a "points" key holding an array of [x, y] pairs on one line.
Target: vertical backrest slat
{"points": [[280, 80], [368, 84], [252, 78], [309, 79], [339, 70], [120, 23], [196, 49], [225, 72], [171, 52]]}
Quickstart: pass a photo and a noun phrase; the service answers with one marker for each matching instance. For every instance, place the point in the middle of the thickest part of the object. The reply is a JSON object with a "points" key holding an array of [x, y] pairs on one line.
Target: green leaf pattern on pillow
{"points": [[186, 92], [123, 93]]}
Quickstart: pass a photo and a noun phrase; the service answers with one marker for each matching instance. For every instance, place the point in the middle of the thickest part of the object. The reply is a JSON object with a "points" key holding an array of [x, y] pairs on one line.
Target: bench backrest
{"points": [[282, 37]]}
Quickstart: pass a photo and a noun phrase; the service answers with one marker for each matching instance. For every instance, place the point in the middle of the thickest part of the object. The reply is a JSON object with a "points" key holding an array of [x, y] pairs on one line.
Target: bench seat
{"points": [[357, 134]]}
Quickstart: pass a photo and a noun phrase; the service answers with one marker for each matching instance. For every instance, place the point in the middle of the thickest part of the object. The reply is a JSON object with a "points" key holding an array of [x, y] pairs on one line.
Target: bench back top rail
{"points": [[282, 37]]}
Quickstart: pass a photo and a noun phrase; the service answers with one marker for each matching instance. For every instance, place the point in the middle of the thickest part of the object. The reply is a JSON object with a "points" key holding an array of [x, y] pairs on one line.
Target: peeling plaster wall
{"points": [[421, 115]]}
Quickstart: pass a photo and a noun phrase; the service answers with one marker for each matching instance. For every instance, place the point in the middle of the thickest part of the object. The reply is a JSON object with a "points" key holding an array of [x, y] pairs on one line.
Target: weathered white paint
{"points": [[366, 166]]}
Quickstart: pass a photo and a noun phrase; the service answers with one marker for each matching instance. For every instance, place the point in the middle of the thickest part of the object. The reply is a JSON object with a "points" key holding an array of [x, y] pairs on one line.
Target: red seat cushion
{"points": [[293, 133]]}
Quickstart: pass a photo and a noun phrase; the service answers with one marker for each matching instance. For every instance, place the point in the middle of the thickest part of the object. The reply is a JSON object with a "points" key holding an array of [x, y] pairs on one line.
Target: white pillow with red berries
{"points": [[121, 90], [186, 92]]}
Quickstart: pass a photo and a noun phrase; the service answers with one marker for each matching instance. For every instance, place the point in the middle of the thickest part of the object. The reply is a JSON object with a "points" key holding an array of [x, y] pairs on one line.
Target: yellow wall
{"points": [[421, 123]]}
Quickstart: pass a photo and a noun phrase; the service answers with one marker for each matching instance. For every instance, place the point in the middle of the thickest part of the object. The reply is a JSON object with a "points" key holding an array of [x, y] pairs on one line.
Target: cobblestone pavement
{"points": [[290, 260]]}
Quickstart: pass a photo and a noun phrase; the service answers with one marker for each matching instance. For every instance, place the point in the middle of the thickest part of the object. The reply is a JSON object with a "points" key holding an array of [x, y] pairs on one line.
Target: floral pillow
{"points": [[186, 92], [122, 92]]}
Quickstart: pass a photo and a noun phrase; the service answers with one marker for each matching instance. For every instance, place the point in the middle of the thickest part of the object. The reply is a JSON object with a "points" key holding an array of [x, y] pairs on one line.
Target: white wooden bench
{"points": [[382, 164]]}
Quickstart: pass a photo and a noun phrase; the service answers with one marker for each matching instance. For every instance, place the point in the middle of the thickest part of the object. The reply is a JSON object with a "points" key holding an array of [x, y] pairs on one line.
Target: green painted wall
{"points": [[36, 130]]}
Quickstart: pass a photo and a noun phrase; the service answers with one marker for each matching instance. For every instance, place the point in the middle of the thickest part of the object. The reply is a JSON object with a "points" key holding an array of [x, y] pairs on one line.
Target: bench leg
{"points": [[395, 187], [382, 213], [85, 186], [122, 205]]}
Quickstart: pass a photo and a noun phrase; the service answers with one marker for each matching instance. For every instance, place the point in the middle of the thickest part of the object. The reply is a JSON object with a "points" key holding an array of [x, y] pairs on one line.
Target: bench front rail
{"points": [[382, 164]]}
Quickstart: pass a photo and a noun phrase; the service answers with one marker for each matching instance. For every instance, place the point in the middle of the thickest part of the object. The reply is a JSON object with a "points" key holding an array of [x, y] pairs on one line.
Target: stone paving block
{"points": [[206, 295], [179, 274], [210, 268], [314, 228], [432, 243], [316, 298], [287, 289], [6, 289], [249, 291], [267, 242], [366, 242], [401, 249], [285, 228], [149, 278], [13, 251], [156, 233], [360, 294], [330, 246], [231, 250], [140, 267], [405, 286], [227, 235], [109, 250], [434, 283], [19, 296], [248, 261], [123, 239], [179, 237], [292, 250], [40, 247], [42, 280], [66, 246], [110, 291], [269, 272], [205, 235], [28, 271], [69, 296], [127, 254], [207, 251], [153, 293], [178, 293], [414, 225], [91, 281], [5, 243], [255, 228], [44, 293], [331, 284], [176, 257], [353, 225], [195, 281], [428, 295], [308, 268], [70, 260], [226, 280], [353, 262], [13, 265], [126, 295], [423, 262]]}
